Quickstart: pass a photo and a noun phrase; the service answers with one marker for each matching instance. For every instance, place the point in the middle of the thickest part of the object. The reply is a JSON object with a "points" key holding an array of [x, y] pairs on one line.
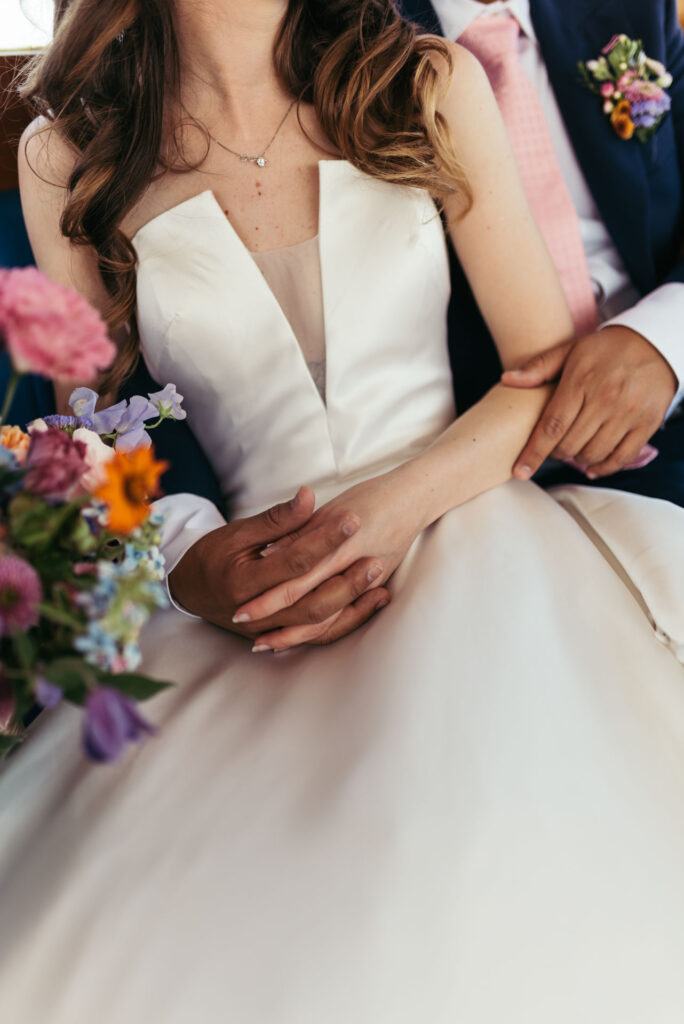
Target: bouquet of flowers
{"points": [[80, 566], [632, 86]]}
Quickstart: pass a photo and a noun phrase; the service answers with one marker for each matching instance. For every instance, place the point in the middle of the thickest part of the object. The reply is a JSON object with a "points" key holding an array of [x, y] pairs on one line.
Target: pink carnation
{"points": [[51, 330], [55, 465], [607, 89], [644, 91]]}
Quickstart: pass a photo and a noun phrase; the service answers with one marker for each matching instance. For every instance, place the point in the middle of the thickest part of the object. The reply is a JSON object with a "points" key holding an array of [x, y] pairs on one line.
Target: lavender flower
{"points": [[111, 720], [20, 593], [46, 693], [168, 402]]}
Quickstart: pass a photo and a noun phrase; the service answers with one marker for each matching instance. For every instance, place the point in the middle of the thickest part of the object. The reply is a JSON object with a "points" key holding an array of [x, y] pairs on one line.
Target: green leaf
{"points": [[62, 618], [133, 685], [25, 649], [73, 675]]}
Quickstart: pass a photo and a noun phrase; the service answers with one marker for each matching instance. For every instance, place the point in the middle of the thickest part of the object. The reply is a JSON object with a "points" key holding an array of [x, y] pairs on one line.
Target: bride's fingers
{"points": [[295, 562], [334, 628], [331, 597]]}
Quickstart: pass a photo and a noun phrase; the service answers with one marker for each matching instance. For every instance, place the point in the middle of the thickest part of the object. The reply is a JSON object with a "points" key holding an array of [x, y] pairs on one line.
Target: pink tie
{"points": [[494, 41]]}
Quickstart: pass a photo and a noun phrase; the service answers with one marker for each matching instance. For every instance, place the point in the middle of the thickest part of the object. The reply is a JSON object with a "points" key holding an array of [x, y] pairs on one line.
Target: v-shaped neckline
{"points": [[208, 193]]}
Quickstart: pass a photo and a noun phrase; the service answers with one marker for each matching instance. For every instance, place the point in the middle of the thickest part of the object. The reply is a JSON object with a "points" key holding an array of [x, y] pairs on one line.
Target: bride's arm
{"points": [[520, 296]]}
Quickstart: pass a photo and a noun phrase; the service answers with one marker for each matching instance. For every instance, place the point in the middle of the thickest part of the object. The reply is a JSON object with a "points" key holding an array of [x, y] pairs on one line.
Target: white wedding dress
{"points": [[471, 810]]}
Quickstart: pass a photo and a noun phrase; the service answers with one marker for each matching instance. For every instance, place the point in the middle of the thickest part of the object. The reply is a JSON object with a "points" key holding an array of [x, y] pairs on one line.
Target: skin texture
{"points": [[279, 207], [614, 391]]}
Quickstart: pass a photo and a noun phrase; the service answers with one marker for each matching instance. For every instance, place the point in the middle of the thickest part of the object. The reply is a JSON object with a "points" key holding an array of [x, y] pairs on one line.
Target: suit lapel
{"points": [[614, 169]]}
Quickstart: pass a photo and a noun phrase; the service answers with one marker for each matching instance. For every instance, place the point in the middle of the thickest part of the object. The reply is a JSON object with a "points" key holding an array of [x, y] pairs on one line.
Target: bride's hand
{"points": [[391, 518]]}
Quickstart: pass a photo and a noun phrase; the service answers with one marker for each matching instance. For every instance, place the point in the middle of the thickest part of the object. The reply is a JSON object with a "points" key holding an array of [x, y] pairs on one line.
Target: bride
{"points": [[471, 809]]}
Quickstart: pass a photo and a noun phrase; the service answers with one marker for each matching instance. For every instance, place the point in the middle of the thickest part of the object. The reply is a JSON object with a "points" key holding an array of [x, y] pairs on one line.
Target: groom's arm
{"points": [[618, 384]]}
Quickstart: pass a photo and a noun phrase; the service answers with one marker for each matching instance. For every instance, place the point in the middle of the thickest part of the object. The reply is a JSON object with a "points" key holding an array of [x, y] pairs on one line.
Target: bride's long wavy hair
{"points": [[106, 80]]}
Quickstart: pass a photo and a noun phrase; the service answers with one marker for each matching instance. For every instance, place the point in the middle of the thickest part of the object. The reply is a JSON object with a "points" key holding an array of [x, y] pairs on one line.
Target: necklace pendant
{"points": [[261, 161]]}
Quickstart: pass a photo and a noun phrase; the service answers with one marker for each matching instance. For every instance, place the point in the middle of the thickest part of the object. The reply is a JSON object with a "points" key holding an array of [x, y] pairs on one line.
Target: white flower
{"points": [[37, 427], [97, 454]]}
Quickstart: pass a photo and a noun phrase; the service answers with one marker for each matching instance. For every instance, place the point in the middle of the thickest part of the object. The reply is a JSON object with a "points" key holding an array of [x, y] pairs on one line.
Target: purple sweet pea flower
{"points": [[82, 402], [168, 402], [131, 427], [137, 438], [47, 694], [111, 721], [108, 420]]}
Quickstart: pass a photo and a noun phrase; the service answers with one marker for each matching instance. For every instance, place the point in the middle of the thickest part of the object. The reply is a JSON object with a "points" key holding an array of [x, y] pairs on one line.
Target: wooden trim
{"points": [[14, 116]]}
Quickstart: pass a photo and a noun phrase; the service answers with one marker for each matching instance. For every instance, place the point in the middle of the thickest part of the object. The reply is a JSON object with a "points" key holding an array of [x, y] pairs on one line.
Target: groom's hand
{"points": [[225, 569], [614, 391]]}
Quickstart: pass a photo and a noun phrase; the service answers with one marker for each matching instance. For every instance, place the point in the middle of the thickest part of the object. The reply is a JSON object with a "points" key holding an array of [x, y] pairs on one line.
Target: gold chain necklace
{"points": [[245, 158]]}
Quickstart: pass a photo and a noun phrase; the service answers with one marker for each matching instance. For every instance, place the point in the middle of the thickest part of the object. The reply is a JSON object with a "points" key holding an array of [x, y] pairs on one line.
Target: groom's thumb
{"points": [[541, 368], [282, 519]]}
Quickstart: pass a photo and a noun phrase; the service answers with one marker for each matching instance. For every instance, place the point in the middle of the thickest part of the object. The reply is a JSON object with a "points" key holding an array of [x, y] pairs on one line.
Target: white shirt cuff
{"points": [[659, 318], [187, 518]]}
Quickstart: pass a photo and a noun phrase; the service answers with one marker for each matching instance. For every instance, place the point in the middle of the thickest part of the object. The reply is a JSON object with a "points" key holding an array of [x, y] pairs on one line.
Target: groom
{"points": [[618, 384]]}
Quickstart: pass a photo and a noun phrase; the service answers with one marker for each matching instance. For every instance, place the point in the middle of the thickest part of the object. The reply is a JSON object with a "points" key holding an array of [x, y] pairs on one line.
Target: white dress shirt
{"points": [[658, 316]]}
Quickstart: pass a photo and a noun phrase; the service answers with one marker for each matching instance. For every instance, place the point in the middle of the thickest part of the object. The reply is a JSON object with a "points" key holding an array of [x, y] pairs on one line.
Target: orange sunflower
{"points": [[131, 481]]}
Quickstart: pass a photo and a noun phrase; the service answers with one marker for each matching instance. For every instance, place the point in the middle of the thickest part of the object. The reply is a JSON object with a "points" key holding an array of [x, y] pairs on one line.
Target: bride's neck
{"points": [[226, 52]]}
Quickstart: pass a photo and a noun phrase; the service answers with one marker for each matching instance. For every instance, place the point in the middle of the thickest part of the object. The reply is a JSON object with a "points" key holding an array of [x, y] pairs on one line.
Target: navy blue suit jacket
{"points": [[638, 189]]}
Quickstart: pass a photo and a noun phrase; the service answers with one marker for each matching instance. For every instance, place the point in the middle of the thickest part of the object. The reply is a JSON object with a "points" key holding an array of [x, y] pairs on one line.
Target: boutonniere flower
{"points": [[632, 87]]}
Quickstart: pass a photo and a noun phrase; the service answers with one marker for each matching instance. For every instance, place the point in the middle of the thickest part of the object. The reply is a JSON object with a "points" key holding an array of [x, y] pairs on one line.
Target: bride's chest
{"points": [[269, 207]]}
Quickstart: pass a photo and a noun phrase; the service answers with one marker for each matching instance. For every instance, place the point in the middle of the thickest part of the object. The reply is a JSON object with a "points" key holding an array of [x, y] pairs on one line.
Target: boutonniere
{"points": [[632, 86]]}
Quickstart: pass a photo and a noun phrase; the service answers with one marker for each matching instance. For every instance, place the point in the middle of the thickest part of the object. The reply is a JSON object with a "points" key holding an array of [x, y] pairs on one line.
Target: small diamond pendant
{"points": [[261, 161]]}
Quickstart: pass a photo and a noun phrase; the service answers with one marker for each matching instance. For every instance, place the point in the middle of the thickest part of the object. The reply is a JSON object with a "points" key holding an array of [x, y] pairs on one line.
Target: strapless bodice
{"points": [[210, 323]]}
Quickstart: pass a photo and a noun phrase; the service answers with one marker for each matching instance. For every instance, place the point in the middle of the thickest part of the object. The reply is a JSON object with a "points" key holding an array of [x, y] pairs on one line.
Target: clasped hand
{"points": [[613, 394], [292, 576]]}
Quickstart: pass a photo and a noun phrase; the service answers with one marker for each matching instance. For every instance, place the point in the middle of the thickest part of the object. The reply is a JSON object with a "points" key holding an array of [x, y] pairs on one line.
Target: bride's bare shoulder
{"points": [[45, 160]]}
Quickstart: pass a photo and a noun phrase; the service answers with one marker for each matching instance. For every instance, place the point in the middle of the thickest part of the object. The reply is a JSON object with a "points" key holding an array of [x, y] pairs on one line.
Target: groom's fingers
{"points": [[328, 599], [328, 631], [294, 563], [555, 422], [278, 520], [541, 368]]}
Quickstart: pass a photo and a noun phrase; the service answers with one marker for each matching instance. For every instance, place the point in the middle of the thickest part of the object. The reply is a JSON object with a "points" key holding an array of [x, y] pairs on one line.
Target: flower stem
{"points": [[9, 395]]}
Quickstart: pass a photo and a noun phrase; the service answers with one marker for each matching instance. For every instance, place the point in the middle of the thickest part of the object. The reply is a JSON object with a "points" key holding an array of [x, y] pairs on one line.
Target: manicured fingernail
{"points": [[350, 525], [382, 604], [514, 373], [523, 472], [242, 617], [591, 475], [296, 501], [260, 648], [374, 573], [270, 550]]}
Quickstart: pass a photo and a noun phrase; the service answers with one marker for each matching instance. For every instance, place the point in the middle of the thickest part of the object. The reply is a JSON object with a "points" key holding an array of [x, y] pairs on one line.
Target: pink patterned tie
{"points": [[494, 41]]}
